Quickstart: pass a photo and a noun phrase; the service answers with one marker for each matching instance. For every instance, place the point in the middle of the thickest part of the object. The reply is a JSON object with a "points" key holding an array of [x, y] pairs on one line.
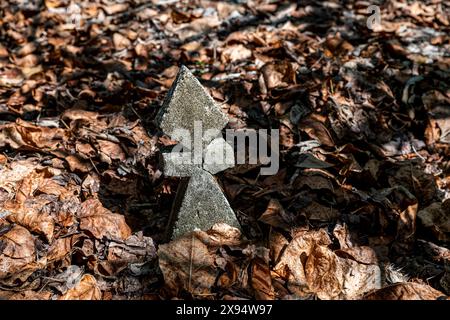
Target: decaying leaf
{"points": [[359, 207], [18, 251], [86, 289], [436, 218], [312, 268], [187, 264], [101, 222], [405, 291]]}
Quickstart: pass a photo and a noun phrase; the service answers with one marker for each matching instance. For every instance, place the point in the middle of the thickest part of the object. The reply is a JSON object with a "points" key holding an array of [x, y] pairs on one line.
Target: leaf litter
{"points": [[359, 208]]}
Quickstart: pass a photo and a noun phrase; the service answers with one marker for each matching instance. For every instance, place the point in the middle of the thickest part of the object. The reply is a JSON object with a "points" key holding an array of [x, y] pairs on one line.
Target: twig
{"points": [[191, 262]]}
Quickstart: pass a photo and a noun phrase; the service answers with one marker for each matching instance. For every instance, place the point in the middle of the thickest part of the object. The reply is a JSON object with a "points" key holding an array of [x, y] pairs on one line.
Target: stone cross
{"points": [[187, 109]]}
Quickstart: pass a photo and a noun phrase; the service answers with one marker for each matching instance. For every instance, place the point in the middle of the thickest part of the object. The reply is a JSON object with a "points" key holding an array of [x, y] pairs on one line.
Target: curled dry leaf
{"points": [[17, 252], [86, 289], [235, 53], [405, 291], [341, 233], [292, 261], [77, 163], [25, 295], [137, 249], [189, 262], [78, 115], [359, 278], [275, 215], [316, 211], [36, 195], [435, 217], [317, 130], [260, 280], [120, 42], [12, 174], [30, 215], [361, 254], [115, 8], [278, 74], [101, 222], [311, 267], [277, 245], [186, 263], [222, 234], [61, 247], [111, 150], [23, 135], [324, 273]]}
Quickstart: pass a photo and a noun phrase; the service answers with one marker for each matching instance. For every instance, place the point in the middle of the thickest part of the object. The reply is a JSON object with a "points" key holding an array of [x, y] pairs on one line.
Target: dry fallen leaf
{"points": [[86, 289], [18, 251], [436, 218], [278, 74], [405, 291], [135, 250], [101, 222], [323, 273], [235, 53], [188, 263], [261, 280]]}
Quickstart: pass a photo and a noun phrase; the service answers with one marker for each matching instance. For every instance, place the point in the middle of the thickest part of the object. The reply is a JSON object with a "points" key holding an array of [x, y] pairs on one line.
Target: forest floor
{"points": [[359, 208]]}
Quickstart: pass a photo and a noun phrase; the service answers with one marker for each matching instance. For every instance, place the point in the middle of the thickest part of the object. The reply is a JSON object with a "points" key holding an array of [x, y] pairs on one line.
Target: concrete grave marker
{"points": [[200, 202]]}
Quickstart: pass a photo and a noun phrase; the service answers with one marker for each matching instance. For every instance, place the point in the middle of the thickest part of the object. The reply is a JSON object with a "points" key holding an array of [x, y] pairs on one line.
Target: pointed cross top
{"points": [[187, 102]]}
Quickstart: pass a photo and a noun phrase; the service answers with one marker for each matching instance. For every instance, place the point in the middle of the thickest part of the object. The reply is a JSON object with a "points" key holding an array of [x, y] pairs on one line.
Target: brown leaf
{"points": [[61, 247], [362, 254], [189, 262], [30, 215], [316, 211], [275, 215], [22, 134], [87, 289], [78, 115], [18, 251], [277, 244], [278, 74], [405, 291], [111, 150], [436, 218], [76, 163], [101, 222], [343, 236], [359, 278], [115, 8], [120, 42], [317, 130], [26, 295], [293, 259], [186, 263], [235, 53], [324, 274], [11, 175], [136, 249], [261, 280]]}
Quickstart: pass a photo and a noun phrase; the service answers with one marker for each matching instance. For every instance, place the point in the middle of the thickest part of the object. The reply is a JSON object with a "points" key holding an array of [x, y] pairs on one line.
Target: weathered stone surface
{"points": [[190, 116], [219, 156], [178, 164], [203, 205], [186, 102]]}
